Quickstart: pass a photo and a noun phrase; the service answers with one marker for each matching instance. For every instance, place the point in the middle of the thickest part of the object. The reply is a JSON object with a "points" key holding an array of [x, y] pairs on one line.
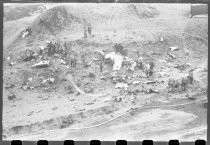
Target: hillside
{"points": [[16, 12], [78, 95], [63, 20]]}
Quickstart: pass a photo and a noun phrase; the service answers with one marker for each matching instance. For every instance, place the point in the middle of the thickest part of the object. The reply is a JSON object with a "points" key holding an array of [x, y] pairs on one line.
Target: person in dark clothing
{"points": [[190, 77], [85, 33], [28, 55], [40, 20], [89, 29], [151, 64], [65, 47], [73, 62], [40, 52], [101, 66], [184, 83], [49, 48], [53, 48], [171, 83]]}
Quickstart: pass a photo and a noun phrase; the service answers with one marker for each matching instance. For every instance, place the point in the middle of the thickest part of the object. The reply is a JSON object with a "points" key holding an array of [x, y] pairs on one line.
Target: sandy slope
{"points": [[39, 110]]}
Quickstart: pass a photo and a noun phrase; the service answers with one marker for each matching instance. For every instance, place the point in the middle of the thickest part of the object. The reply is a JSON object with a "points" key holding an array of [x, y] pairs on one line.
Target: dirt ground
{"points": [[52, 112]]}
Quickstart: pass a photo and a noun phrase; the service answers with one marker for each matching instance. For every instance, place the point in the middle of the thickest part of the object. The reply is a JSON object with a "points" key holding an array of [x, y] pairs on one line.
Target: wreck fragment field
{"points": [[139, 71]]}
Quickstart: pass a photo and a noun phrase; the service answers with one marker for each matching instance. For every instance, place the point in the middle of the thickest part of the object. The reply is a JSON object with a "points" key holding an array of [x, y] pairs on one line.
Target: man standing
{"points": [[49, 48], [85, 32], [89, 29], [190, 77], [85, 29]]}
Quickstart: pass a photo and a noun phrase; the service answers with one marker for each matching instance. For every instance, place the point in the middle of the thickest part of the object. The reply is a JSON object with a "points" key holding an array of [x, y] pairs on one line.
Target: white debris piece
{"points": [[163, 61], [188, 64], [121, 86], [42, 47], [117, 58], [161, 39], [30, 79], [174, 48], [135, 82], [161, 74], [100, 52], [44, 63], [132, 63], [146, 66], [62, 61], [52, 80], [25, 34], [12, 63], [171, 55]]}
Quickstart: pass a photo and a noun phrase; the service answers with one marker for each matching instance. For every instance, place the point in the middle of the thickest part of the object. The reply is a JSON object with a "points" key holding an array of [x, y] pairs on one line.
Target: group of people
{"points": [[87, 29], [183, 83], [51, 49]]}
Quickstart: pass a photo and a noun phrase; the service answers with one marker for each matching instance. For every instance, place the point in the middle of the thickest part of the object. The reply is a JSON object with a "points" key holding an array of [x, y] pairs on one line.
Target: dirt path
{"points": [[127, 126]]}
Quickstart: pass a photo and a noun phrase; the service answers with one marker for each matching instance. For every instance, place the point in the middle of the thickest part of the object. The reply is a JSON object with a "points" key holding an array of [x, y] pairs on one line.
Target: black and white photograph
{"points": [[105, 71]]}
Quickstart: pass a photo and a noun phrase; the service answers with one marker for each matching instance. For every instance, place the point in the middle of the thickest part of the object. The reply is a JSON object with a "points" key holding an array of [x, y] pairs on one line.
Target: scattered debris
{"points": [[117, 58], [29, 55], [90, 103], [171, 55], [161, 39], [12, 63], [9, 58], [54, 108], [182, 66], [71, 99], [130, 63], [11, 97], [163, 74], [88, 89], [117, 99], [25, 87], [136, 82], [30, 79], [174, 48], [205, 104], [121, 86], [163, 61], [30, 113], [205, 69], [191, 97], [70, 89], [44, 63], [10, 86], [103, 78], [151, 82], [49, 80], [24, 34], [91, 75], [62, 61], [152, 91], [65, 123]]}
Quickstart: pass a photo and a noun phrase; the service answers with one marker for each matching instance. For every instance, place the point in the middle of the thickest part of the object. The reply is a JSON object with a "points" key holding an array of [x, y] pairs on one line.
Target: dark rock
{"points": [[205, 104], [10, 86], [11, 97]]}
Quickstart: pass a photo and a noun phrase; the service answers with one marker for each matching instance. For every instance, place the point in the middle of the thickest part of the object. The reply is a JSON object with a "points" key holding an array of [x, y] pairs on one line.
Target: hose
{"points": [[70, 78]]}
